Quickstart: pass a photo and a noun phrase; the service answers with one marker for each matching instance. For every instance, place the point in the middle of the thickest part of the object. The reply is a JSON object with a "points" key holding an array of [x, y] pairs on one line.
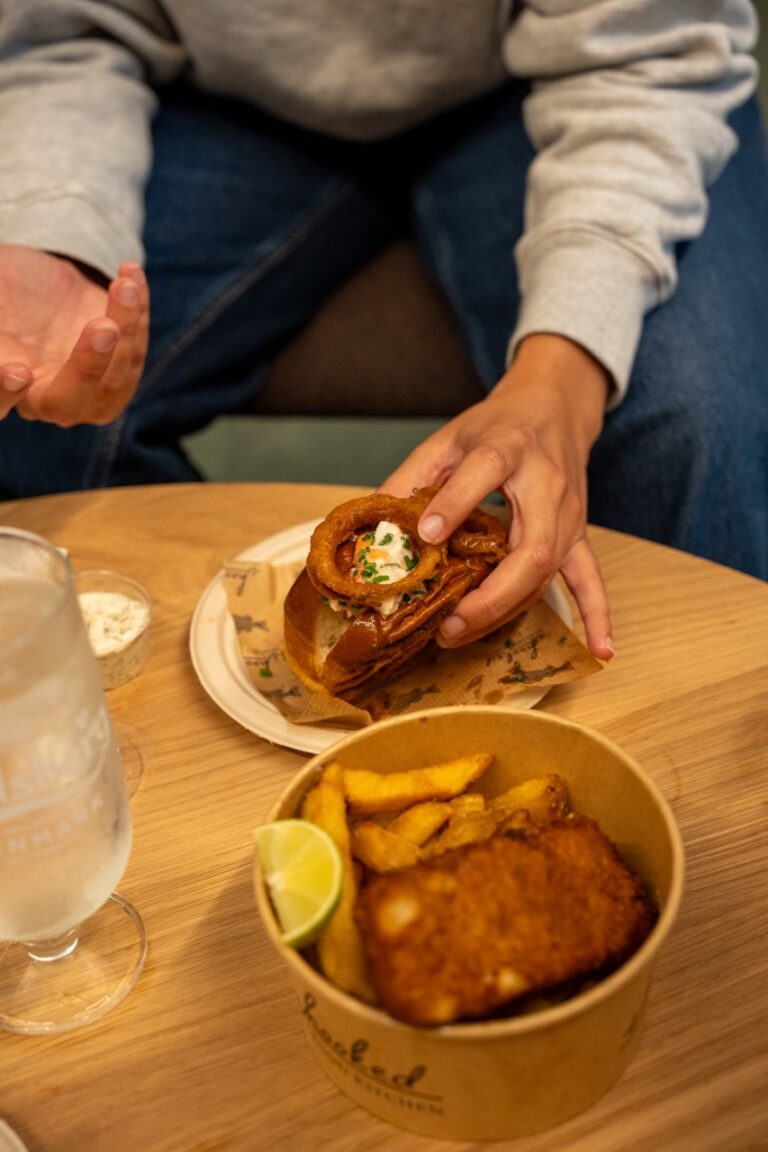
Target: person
{"points": [[586, 181]]}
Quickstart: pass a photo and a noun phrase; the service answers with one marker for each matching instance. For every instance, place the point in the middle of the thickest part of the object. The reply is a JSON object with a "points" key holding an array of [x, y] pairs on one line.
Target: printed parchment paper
{"points": [[536, 650]]}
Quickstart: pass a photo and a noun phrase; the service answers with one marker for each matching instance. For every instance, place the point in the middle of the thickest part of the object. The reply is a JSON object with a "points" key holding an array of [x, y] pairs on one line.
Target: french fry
{"points": [[518, 821], [467, 802], [466, 828], [339, 949], [462, 808], [545, 797], [421, 821], [368, 792], [380, 849], [540, 798]]}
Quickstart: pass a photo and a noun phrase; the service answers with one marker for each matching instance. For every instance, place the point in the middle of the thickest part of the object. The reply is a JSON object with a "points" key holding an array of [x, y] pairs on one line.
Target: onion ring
{"points": [[480, 534], [349, 520]]}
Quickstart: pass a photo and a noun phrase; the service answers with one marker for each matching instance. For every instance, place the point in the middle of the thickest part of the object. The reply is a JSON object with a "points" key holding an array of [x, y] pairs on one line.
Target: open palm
{"points": [[71, 351]]}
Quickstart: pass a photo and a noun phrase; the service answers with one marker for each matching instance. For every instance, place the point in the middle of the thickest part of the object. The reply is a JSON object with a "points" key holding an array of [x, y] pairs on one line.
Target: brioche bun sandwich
{"points": [[369, 601]]}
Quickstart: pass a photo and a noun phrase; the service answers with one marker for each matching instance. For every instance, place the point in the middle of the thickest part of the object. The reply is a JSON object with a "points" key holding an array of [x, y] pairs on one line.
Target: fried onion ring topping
{"points": [[481, 534], [327, 567]]}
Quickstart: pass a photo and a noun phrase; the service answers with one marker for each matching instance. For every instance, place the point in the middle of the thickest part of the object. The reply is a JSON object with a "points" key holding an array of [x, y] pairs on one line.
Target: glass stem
{"points": [[56, 948]]}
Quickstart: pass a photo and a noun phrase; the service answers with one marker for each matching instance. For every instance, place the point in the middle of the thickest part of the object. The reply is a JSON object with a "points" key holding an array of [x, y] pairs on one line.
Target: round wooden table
{"points": [[207, 1051]]}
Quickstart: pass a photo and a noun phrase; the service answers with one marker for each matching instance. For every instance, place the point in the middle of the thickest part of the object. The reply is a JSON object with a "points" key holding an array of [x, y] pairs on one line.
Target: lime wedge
{"points": [[301, 867]]}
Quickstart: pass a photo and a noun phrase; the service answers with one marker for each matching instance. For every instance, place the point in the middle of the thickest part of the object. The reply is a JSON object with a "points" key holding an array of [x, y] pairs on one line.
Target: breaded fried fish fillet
{"points": [[472, 930]]}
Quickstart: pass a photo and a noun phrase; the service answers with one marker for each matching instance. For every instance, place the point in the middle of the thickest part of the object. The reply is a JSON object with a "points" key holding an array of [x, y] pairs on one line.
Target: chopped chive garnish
{"points": [[379, 579], [386, 539]]}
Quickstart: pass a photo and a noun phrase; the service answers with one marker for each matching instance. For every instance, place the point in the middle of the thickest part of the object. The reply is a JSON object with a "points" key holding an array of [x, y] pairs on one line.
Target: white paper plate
{"points": [[9, 1141], [216, 655]]}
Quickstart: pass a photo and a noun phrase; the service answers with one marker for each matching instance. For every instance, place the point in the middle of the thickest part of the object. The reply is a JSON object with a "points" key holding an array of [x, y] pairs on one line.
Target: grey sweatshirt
{"points": [[627, 115]]}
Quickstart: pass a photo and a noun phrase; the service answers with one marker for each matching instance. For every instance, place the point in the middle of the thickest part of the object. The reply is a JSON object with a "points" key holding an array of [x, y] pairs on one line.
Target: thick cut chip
{"points": [[465, 828], [339, 948], [545, 797], [467, 802], [421, 821], [382, 850], [539, 799], [369, 792]]}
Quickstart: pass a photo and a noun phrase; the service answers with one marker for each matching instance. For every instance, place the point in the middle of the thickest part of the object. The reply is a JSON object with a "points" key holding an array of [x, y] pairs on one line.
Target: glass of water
{"points": [[70, 947]]}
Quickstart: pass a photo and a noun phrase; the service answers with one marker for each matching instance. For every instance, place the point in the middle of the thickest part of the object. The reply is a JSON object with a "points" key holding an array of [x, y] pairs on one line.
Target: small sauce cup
{"points": [[117, 612]]}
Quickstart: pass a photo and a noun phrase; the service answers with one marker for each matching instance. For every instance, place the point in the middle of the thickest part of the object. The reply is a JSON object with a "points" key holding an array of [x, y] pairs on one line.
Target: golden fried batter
{"points": [[462, 935]]}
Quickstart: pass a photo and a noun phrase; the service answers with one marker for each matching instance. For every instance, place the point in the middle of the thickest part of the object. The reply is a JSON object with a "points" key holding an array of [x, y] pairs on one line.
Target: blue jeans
{"points": [[252, 223]]}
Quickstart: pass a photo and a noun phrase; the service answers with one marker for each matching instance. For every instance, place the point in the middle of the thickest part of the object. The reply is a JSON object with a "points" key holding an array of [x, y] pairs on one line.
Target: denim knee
{"points": [[684, 461]]}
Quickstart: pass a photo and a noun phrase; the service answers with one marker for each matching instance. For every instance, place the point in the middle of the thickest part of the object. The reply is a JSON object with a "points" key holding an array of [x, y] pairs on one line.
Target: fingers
{"points": [[99, 377], [14, 380], [482, 471], [514, 585], [582, 574], [526, 572], [128, 306], [547, 536], [71, 397], [517, 583]]}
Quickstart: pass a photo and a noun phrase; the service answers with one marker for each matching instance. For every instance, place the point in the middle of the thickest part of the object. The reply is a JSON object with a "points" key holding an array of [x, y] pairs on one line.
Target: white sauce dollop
{"points": [[112, 620], [385, 555]]}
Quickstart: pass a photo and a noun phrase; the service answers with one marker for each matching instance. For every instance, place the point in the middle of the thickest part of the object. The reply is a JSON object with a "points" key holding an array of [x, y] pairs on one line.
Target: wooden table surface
{"points": [[207, 1053]]}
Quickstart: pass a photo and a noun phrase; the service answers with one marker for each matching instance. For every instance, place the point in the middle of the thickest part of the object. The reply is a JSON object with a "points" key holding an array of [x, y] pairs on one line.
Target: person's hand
{"points": [[71, 350], [530, 440]]}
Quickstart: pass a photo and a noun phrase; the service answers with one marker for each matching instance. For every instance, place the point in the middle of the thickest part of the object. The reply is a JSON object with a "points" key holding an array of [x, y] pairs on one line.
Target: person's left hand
{"points": [[530, 440]]}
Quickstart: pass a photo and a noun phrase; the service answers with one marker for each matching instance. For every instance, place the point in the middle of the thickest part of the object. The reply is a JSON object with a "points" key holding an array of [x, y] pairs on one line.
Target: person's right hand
{"points": [[71, 351], [529, 440]]}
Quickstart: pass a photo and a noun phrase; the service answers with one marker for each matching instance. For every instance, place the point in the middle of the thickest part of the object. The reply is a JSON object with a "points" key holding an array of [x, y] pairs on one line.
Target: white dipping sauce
{"points": [[115, 623]]}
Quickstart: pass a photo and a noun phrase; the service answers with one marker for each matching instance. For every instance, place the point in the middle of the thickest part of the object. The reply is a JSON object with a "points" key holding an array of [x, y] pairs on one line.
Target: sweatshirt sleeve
{"points": [[76, 104], [628, 116]]}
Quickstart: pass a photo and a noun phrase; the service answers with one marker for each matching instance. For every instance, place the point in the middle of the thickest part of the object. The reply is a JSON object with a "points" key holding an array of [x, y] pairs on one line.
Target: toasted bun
{"points": [[349, 658], [311, 631]]}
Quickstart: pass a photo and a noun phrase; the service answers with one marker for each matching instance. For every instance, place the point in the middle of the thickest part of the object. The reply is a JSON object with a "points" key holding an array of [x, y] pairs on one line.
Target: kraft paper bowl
{"points": [[502, 1078]]}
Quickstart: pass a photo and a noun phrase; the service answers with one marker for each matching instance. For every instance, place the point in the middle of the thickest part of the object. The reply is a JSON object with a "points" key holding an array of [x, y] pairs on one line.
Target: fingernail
{"points": [[133, 272], [103, 339], [452, 626], [13, 383], [431, 528], [608, 643], [128, 294]]}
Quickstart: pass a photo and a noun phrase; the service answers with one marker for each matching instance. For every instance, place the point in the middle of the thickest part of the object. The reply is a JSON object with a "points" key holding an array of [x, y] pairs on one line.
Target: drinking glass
{"points": [[70, 947]]}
